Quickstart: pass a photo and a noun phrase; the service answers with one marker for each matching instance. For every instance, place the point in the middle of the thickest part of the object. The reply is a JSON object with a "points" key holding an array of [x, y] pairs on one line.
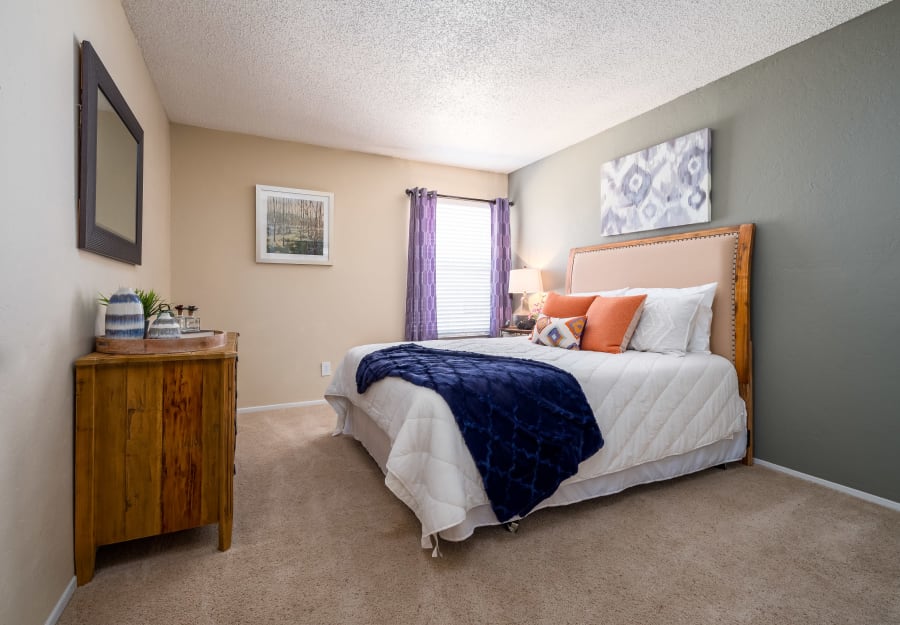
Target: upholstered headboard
{"points": [[720, 255]]}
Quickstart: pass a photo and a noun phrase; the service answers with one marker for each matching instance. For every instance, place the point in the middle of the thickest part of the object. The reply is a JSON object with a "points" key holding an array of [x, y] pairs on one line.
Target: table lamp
{"points": [[524, 281]]}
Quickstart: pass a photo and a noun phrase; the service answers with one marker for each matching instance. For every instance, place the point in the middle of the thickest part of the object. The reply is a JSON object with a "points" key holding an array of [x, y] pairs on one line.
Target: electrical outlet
{"points": [[326, 368]]}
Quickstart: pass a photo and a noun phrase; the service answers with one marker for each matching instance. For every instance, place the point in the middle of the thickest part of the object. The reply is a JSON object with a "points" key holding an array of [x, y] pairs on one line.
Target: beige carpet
{"points": [[319, 539]]}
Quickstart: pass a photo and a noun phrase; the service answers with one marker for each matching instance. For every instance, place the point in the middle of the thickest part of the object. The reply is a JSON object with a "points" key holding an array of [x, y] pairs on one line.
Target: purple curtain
{"points": [[421, 299], [501, 310]]}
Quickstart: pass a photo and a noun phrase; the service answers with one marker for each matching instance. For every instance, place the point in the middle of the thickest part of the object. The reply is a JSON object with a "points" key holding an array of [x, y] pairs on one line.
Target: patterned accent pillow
{"points": [[562, 332]]}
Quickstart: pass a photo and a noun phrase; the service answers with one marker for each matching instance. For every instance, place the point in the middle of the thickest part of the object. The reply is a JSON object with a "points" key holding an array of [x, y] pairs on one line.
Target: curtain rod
{"points": [[459, 197]]}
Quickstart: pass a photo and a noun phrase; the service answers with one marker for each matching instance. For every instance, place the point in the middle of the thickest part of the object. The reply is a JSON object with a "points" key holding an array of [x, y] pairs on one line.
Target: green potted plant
{"points": [[151, 301]]}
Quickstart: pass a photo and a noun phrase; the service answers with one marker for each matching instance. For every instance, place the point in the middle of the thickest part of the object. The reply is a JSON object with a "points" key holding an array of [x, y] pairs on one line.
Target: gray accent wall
{"points": [[806, 144]]}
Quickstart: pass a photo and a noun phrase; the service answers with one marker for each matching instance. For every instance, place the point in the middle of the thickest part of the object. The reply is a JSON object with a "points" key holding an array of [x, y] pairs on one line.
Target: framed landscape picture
{"points": [[293, 225]]}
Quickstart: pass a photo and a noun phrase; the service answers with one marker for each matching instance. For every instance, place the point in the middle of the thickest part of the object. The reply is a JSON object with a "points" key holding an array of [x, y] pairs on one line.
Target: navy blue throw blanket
{"points": [[527, 424]]}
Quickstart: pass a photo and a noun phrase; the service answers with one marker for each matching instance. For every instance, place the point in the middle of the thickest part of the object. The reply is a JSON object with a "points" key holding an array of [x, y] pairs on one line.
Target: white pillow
{"points": [[613, 293], [665, 324], [699, 340]]}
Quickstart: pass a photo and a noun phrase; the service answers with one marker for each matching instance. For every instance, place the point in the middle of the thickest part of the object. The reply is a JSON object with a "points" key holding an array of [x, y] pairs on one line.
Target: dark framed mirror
{"points": [[112, 164]]}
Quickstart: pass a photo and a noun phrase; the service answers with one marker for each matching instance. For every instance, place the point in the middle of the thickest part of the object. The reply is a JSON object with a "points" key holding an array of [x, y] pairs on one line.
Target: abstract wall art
{"points": [[660, 187]]}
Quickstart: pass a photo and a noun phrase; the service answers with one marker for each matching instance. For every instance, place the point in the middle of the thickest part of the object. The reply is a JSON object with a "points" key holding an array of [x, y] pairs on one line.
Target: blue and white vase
{"points": [[166, 326], [124, 315]]}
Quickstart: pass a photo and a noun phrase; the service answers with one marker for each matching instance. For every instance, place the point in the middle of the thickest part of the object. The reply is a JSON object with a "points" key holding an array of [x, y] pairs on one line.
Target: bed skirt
{"points": [[360, 426]]}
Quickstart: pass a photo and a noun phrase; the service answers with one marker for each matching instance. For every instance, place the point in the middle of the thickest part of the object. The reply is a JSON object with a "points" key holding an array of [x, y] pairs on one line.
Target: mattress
{"points": [[660, 415]]}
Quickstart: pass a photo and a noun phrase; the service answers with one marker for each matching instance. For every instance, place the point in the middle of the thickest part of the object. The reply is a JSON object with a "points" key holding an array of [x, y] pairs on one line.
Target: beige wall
{"points": [[292, 317], [48, 286]]}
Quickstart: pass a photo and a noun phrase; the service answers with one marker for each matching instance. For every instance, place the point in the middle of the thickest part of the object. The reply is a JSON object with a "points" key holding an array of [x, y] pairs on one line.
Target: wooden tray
{"points": [[186, 343]]}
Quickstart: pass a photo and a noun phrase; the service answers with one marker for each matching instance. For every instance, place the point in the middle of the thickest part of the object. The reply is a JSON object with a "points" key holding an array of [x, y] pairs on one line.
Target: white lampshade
{"points": [[525, 281]]}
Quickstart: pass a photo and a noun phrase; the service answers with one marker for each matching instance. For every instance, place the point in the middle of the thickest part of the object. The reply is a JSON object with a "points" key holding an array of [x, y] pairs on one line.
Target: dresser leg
{"points": [[85, 557], [225, 534]]}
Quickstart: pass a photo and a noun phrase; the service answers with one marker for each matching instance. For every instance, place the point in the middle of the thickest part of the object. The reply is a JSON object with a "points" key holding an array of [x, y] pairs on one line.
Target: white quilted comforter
{"points": [[648, 406]]}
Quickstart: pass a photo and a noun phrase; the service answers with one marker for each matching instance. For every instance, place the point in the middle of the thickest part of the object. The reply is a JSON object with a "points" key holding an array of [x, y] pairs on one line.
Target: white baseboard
{"points": [[62, 603], [295, 404], [860, 494]]}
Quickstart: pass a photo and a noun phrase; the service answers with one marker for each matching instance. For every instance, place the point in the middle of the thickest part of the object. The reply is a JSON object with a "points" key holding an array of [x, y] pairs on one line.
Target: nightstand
{"points": [[513, 331]]}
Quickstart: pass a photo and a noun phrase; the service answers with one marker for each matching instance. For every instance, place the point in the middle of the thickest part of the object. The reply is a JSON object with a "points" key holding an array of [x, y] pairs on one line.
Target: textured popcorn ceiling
{"points": [[487, 84]]}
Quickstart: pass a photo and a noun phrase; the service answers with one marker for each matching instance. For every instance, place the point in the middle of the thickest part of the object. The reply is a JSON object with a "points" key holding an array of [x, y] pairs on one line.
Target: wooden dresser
{"points": [[154, 446]]}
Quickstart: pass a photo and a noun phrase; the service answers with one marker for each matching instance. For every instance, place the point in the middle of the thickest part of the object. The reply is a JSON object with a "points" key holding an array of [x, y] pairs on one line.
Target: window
{"points": [[463, 268]]}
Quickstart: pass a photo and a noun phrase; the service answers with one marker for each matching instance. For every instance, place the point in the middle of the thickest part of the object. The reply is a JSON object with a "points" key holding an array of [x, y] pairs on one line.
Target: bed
{"points": [[661, 416]]}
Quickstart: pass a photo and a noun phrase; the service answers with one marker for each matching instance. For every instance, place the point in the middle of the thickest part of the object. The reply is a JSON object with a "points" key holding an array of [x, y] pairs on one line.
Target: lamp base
{"points": [[522, 310]]}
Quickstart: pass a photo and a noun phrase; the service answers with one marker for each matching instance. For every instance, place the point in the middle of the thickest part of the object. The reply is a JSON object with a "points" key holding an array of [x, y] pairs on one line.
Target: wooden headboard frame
{"points": [[720, 255]]}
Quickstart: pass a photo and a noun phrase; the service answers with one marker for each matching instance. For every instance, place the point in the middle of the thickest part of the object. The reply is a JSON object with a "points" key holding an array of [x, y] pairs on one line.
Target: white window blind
{"points": [[463, 268]]}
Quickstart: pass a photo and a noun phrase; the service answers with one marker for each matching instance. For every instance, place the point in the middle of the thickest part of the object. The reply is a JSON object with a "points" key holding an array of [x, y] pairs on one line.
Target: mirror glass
{"points": [[116, 172], [112, 149]]}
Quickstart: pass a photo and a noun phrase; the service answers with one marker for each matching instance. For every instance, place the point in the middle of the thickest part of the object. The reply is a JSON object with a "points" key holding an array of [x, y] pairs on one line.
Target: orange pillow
{"points": [[611, 322], [566, 305]]}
